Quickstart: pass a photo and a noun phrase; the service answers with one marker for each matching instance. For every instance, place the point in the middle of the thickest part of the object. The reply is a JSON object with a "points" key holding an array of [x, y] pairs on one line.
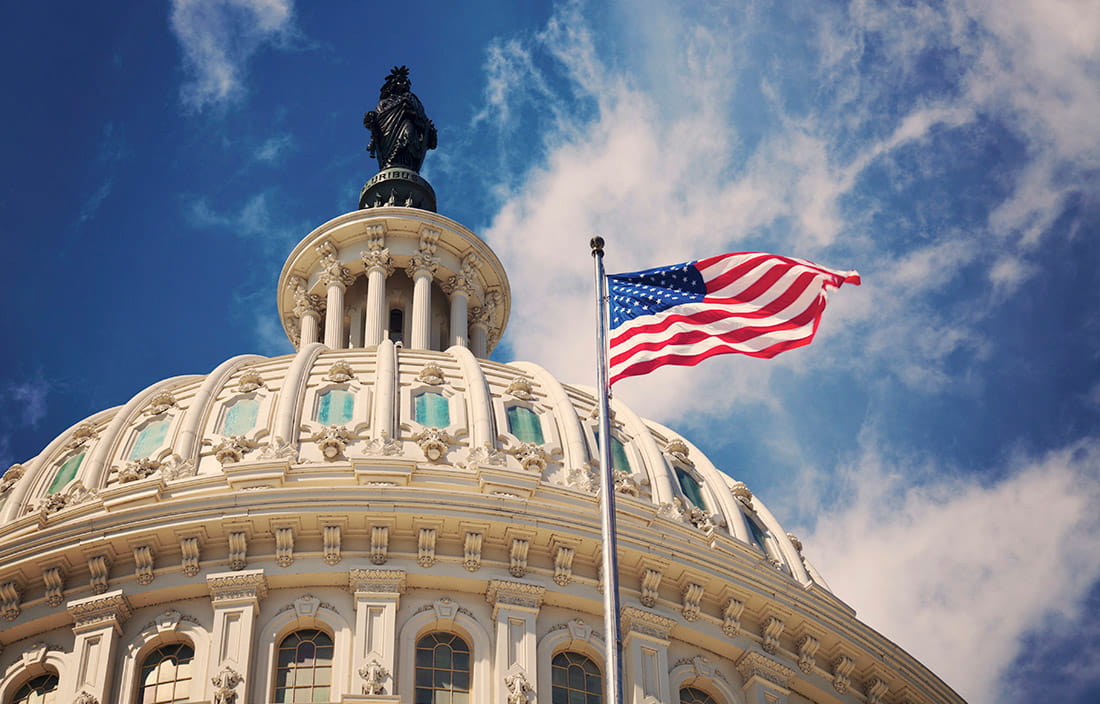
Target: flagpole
{"points": [[613, 647]]}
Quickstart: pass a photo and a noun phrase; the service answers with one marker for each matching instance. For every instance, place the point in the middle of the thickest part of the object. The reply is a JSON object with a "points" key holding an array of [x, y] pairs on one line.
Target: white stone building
{"points": [[389, 516]]}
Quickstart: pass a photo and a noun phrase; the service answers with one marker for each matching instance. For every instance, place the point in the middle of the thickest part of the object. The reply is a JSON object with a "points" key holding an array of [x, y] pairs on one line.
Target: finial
{"points": [[596, 243]]}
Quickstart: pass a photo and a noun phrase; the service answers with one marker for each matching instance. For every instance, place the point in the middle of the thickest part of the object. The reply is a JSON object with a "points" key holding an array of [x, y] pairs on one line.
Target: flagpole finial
{"points": [[596, 243]]}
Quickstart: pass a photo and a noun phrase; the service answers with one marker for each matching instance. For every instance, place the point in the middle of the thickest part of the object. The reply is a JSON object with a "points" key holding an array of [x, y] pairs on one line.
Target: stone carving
{"points": [[563, 565], [379, 544], [471, 551], [340, 372], [333, 273], [377, 255], [434, 443], [466, 278], [517, 557], [431, 374], [504, 592], [143, 565], [238, 550], [400, 131], [425, 547], [519, 690], [331, 544], [771, 629], [10, 477], [795, 542], [742, 493], [232, 449], [85, 698], [692, 597], [284, 546], [189, 549], [167, 621], [807, 647], [374, 674], [82, 435], [377, 581], [520, 388], [384, 446], [842, 670], [678, 450], [731, 617], [136, 470], [10, 596], [332, 441], [531, 457], [486, 312], [702, 520], [483, 455], [233, 587], [278, 449], [109, 609], [250, 381], [304, 303], [160, 403], [98, 568], [54, 580], [625, 482], [646, 623], [225, 685], [651, 581], [753, 664], [876, 690], [582, 479], [175, 467], [673, 510]]}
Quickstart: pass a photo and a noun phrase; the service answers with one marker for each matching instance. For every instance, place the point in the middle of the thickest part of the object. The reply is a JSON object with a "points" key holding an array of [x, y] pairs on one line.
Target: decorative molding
{"points": [[677, 449], [189, 549], [376, 581], [108, 609], [625, 482], [11, 594], [136, 470], [333, 273], [340, 372], [278, 449], [754, 664], [842, 670], [332, 441], [876, 690], [425, 547], [10, 478], [304, 303], [284, 546], [471, 551], [384, 446], [234, 587], [742, 493], [703, 667], [434, 443], [377, 257], [85, 697], [81, 436], [582, 479], [770, 630], [531, 456], [521, 594], [98, 568], [232, 449], [424, 259], [651, 581], [160, 403], [731, 617], [143, 565], [250, 381], [692, 596], [482, 455], [331, 542], [517, 557], [175, 467], [702, 520], [563, 565], [53, 578], [431, 374], [517, 688], [379, 544], [465, 280], [238, 550], [225, 685], [646, 623], [673, 510], [795, 542], [520, 388], [374, 674], [807, 647]]}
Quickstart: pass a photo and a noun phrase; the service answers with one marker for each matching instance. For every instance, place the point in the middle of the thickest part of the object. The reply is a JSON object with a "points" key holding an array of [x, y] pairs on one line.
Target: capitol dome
{"points": [[389, 516]]}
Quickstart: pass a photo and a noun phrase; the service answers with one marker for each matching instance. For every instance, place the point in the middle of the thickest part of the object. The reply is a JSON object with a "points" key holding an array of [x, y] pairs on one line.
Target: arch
{"points": [[288, 412], [443, 663], [576, 453], [478, 401], [170, 627], [304, 613], [699, 673], [524, 423], [35, 662], [309, 652], [573, 673], [192, 418], [446, 616], [576, 637]]}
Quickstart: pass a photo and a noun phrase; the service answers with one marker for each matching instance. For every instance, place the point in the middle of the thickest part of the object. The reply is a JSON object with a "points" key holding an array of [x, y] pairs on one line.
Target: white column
{"points": [[235, 597], [308, 309], [374, 659], [311, 322], [459, 334], [355, 327], [479, 339], [378, 264], [515, 608], [421, 268], [98, 625], [764, 680], [336, 278], [645, 656]]}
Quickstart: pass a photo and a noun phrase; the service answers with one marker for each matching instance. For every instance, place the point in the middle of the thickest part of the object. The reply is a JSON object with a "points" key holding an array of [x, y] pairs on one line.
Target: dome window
{"points": [[397, 325], [150, 439], [240, 416], [432, 410], [691, 695], [691, 488], [166, 674], [304, 669], [335, 407], [66, 473], [575, 678], [40, 690], [619, 461], [525, 424], [443, 669]]}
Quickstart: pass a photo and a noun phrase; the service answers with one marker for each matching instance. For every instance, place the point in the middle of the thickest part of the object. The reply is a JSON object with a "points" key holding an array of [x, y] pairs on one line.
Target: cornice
{"points": [[246, 585], [112, 608], [754, 664], [372, 581], [503, 592], [647, 623]]}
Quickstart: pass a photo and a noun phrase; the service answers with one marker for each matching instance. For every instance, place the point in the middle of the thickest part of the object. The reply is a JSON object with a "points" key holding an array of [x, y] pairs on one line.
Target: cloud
{"points": [[218, 37], [274, 148], [91, 205], [984, 564], [30, 399]]}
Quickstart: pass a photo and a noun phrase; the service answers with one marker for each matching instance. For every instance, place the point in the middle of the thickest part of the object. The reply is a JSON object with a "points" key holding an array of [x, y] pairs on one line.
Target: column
{"points": [[764, 680], [379, 265], [336, 278], [459, 287], [645, 656], [421, 268], [481, 318], [98, 624], [377, 593], [235, 597], [515, 608], [308, 309]]}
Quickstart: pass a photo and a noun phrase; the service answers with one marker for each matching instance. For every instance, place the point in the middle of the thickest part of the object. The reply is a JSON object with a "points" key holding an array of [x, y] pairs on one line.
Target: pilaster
{"points": [[515, 610], [765, 681], [645, 656], [377, 594], [98, 624], [235, 597]]}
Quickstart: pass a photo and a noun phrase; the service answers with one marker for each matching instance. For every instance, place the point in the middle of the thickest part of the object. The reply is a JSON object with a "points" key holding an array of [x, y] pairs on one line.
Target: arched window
{"points": [[303, 670], [335, 407], [149, 439], [525, 424], [691, 488], [690, 695], [166, 674], [575, 679], [432, 409], [240, 417], [443, 670], [619, 459], [397, 325], [66, 473], [40, 690]]}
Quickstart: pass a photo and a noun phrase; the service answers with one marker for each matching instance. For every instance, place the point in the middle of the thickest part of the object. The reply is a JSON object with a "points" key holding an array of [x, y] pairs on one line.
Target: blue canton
{"points": [[651, 291]]}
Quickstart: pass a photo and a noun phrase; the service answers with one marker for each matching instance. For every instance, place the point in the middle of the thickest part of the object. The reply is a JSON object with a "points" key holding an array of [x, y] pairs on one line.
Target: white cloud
{"points": [[274, 148], [218, 37], [29, 400], [983, 564]]}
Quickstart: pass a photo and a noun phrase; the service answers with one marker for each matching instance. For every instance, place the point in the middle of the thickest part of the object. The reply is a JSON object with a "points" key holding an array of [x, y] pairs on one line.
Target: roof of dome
{"points": [[381, 416]]}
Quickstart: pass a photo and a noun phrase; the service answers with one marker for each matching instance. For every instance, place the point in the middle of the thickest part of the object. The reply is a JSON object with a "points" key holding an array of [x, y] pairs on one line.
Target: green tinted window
{"points": [[150, 439], [525, 424], [691, 488], [335, 407], [433, 410], [66, 473], [241, 416], [618, 454]]}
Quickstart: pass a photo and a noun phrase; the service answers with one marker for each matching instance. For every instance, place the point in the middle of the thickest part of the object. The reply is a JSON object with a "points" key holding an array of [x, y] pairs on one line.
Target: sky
{"points": [[937, 449]]}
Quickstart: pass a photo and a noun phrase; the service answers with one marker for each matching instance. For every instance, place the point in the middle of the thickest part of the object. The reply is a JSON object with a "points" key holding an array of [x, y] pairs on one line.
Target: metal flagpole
{"points": [[613, 647]]}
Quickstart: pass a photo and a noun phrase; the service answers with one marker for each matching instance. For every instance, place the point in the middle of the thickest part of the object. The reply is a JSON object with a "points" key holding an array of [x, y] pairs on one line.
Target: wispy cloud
{"points": [[218, 37], [272, 150]]}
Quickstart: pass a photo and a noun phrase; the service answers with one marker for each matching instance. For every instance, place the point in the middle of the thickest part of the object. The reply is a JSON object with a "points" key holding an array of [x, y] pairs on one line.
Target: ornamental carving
{"points": [[646, 623], [770, 632], [465, 279], [109, 609], [625, 482], [340, 371], [189, 550], [11, 594], [807, 647], [235, 587], [520, 388], [651, 581], [531, 456], [876, 690], [330, 547], [692, 596], [333, 273], [673, 510], [563, 565], [795, 542], [431, 374], [379, 544], [742, 493], [425, 547], [702, 520], [518, 689], [82, 435], [284, 546], [85, 698], [583, 479], [842, 670], [486, 312], [304, 303], [225, 685], [374, 674], [377, 258], [53, 578], [484, 455], [376, 581], [238, 550], [504, 592], [250, 381], [160, 403], [175, 467], [754, 664], [731, 617], [278, 449], [434, 443], [471, 551], [136, 470], [517, 557], [677, 449], [383, 446], [332, 441], [10, 477], [143, 565], [232, 449]]}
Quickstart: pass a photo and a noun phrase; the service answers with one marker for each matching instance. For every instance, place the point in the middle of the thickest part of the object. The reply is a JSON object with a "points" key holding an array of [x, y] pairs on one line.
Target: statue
{"points": [[401, 133]]}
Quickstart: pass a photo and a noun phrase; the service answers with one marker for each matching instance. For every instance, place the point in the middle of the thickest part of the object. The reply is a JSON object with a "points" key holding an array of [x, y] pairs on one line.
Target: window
{"points": [[618, 453], [759, 536], [525, 424], [150, 439], [691, 488], [433, 409], [397, 325], [40, 690], [335, 407], [575, 679], [303, 671], [240, 416], [690, 695], [66, 473], [442, 670], [166, 674]]}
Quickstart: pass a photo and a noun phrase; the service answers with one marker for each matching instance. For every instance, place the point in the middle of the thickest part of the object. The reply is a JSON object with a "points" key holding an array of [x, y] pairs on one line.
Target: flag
{"points": [[748, 302]]}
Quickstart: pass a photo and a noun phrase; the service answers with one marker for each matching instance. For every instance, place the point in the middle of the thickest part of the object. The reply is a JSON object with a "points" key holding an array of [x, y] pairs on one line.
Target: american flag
{"points": [[748, 302]]}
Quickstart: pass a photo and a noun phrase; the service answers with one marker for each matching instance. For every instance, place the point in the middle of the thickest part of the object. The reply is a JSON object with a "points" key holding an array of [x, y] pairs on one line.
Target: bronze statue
{"points": [[401, 133]]}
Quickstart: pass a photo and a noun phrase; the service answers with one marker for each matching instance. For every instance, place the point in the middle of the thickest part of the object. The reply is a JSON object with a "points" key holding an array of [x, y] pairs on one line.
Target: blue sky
{"points": [[937, 448]]}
